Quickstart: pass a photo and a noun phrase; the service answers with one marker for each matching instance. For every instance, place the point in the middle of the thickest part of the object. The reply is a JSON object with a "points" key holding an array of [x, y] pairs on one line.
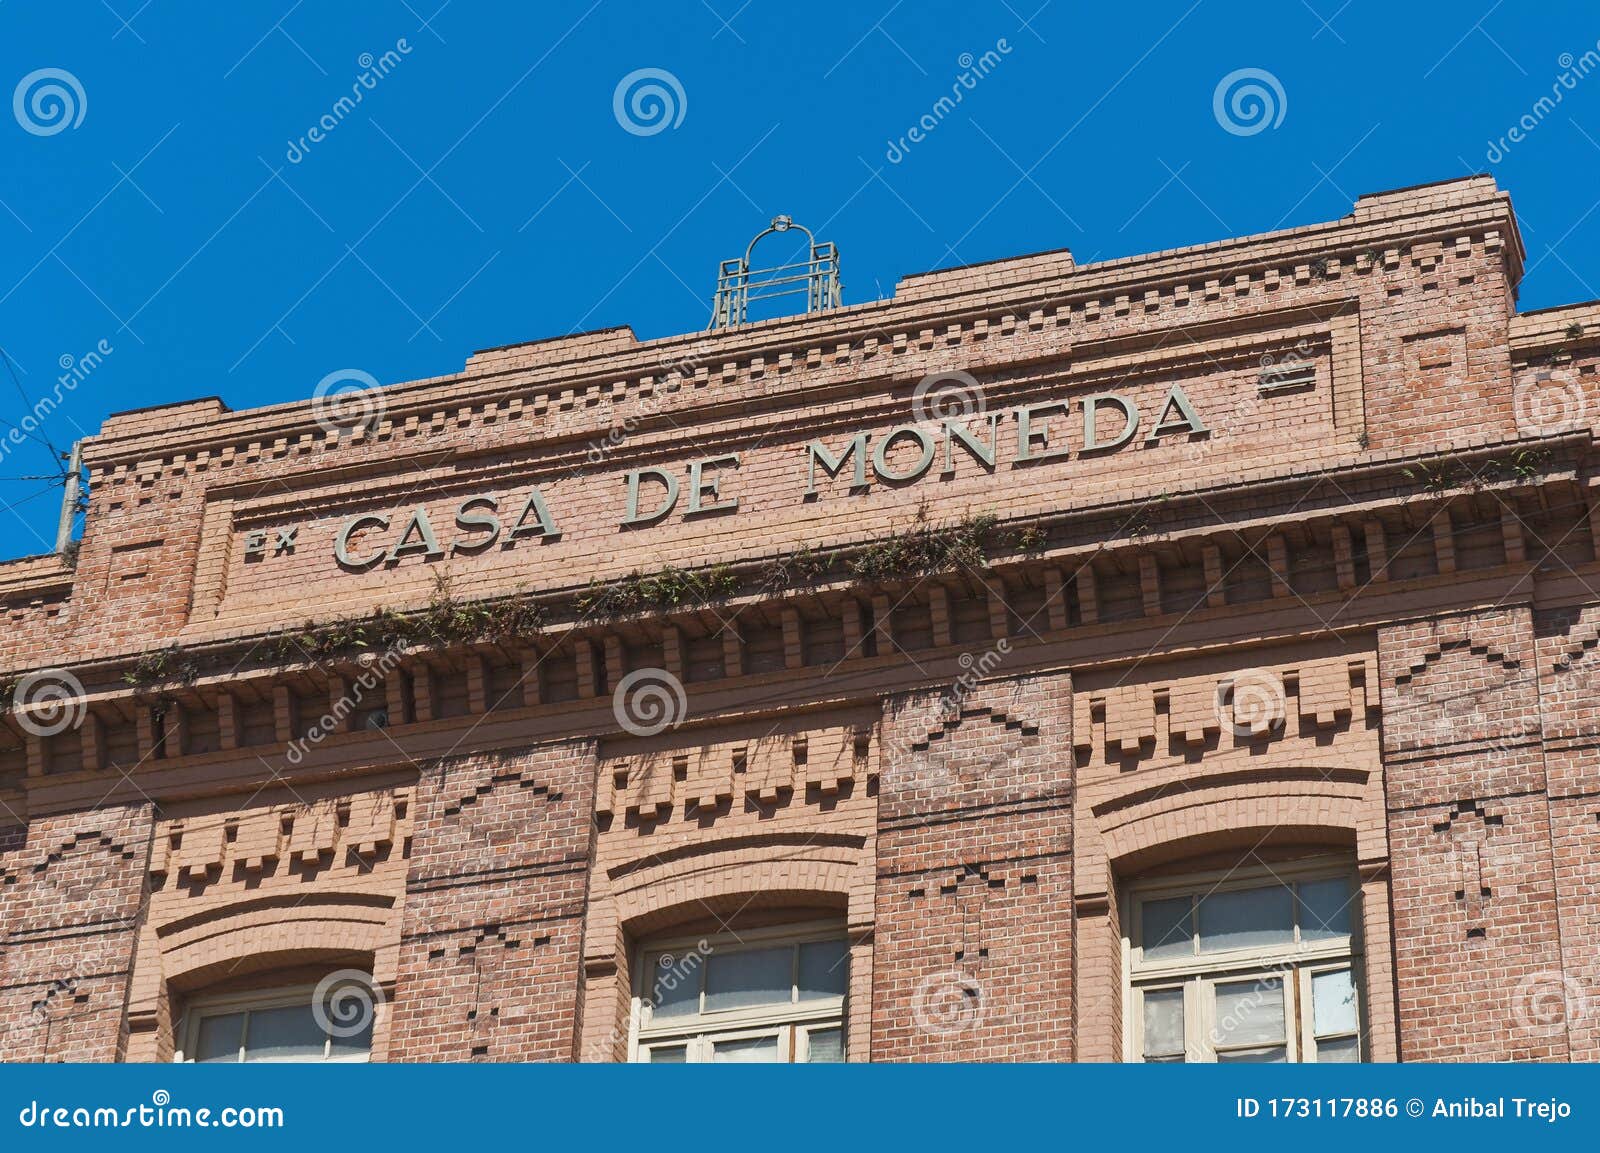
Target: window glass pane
{"points": [[1246, 918], [676, 988], [220, 1037], [669, 1055], [1276, 1055], [824, 965], [1250, 1013], [356, 1043], [750, 1050], [1333, 1002], [1325, 908], [287, 1033], [1167, 928], [1344, 1050], [750, 977], [827, 1045], [1163, 1023]]}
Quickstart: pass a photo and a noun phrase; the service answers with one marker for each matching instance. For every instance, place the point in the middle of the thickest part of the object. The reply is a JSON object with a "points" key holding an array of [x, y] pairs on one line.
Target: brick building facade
{"points": [[1187, 655]]}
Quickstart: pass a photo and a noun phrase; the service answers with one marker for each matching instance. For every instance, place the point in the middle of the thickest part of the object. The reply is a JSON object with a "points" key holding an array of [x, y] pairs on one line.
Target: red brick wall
{"points": [[1474, 882], [1569, 681], [972, 956], [489, 962], [71, 894]]}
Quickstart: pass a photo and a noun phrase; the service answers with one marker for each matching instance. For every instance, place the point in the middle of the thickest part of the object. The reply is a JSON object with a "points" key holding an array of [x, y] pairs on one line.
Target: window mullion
{"points": [[1292, 1039], [1307, 1023]]}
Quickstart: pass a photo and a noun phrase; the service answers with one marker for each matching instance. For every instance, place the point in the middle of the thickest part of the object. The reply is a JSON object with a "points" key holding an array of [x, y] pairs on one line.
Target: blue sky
{"points": [[485, 190]]}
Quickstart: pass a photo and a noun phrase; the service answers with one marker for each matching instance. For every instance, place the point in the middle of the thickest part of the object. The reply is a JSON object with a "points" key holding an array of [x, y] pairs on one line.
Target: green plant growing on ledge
{"points": [[805, 566], [922, 550], [926, 549], [1032, 540], [1522, 464], [446, 621], [1143, 518], [169, 666], [664, 591], [321, 641], [1562, 352], [1435, 475], [449, 621]]}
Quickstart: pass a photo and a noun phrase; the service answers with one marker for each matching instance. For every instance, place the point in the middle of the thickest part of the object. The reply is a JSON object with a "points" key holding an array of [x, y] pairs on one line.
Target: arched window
{"points": [[774, 994], [1258, 963], [329, 1021]]}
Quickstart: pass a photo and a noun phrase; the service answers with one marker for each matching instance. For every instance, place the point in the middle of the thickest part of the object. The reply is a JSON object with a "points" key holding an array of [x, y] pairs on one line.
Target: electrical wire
{"points": [[28, 405]]}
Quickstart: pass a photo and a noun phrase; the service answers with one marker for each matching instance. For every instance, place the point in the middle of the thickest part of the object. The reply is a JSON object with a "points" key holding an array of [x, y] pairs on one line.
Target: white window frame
{"points": [[199, 1009], [792, 1023], [1198, 974]]}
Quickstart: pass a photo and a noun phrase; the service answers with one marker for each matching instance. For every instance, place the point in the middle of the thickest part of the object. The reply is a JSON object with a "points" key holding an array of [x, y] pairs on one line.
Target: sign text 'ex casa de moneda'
{"points": [[1030, 434]]}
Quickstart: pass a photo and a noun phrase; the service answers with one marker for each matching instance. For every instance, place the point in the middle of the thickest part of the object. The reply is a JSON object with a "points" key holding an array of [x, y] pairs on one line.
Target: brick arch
{"points": [[1143, 823], [187, 955], [1286, 804], [650, 895], [1279, 811], [239, 937], [264, 956], [728, 886]]}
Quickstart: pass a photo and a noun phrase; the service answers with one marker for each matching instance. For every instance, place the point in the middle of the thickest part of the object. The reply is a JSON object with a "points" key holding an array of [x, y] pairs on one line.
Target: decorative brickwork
{"points": [[1469, 830], [1260, 553], [974, 877], [313, 876], [712, 826], [493, 926], [71, 895]]}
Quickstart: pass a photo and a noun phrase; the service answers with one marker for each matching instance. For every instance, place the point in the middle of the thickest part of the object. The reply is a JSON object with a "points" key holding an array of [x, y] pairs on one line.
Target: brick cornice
{"points": [[863, 339], [1050, 642]]}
